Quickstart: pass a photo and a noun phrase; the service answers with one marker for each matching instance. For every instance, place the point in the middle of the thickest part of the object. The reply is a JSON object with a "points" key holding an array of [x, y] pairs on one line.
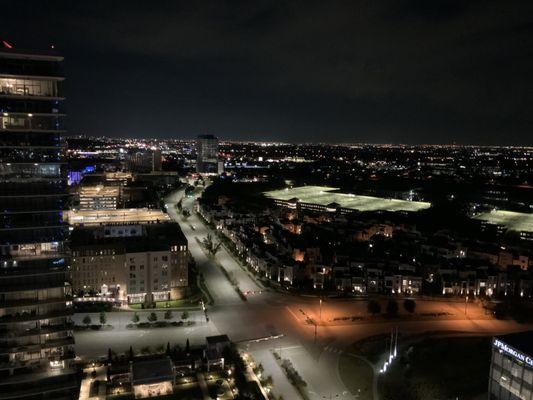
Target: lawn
{"points": [[357, 376], [439, 368]]}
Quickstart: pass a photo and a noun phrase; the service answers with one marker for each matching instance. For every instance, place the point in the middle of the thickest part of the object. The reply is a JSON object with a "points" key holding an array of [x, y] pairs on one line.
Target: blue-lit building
{"points": [[36, 339], [511, 367]]}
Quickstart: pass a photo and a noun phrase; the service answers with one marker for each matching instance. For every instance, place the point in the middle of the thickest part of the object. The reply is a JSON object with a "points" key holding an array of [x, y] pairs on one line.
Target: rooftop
{"points": [[47, 54], [515, 221], [155, 237], [151, 371], [324, 196], [99, 190], [217, 339]]}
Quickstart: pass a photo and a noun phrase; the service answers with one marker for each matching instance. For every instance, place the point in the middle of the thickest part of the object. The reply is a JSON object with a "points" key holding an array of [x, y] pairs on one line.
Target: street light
{"points": [[321, 310], [466, 303]]}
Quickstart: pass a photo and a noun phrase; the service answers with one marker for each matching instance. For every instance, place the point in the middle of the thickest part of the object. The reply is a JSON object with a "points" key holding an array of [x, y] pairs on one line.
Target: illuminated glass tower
{"points": [[36, 340]]}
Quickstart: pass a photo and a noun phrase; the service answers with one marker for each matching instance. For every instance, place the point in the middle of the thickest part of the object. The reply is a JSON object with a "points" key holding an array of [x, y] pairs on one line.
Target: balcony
{"points": [[29, 88], [30, 122], [34, 316], [31, 155], [29, 302], [16, 364], [39, 65], [14, 347], [55, 187], [66, 341], [45, 329], [66, 355]]}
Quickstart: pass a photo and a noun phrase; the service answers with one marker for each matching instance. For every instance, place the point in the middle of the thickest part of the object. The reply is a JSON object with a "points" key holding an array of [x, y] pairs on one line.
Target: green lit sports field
{"points": [[324, 195], [515, 221]]}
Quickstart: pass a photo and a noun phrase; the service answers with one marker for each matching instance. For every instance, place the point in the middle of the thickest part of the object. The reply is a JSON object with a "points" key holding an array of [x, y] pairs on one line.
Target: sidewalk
{"points": [[281, 386], [203, 385]]}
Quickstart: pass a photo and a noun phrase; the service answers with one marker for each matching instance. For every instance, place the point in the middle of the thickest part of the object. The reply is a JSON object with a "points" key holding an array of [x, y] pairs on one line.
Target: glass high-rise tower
{"points": [[207, 155], [36, 339]]}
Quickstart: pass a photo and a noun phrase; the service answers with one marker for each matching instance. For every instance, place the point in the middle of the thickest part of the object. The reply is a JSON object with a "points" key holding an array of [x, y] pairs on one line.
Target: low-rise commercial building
{"points": [[133, 263]]}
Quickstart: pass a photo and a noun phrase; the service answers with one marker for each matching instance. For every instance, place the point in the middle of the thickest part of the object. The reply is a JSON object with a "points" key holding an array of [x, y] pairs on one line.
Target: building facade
{"points": [[36, 339], [144, 160], [132, 263], [207, 161], [511, 367]]}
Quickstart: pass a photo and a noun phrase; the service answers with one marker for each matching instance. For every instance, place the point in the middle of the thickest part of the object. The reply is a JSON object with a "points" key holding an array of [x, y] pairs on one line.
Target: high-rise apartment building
{"points": [[207, 161], [36, 339]]}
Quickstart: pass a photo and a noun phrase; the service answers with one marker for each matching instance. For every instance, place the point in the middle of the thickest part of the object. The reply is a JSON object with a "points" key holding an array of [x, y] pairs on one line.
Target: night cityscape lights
{"points": [[266, 200]]}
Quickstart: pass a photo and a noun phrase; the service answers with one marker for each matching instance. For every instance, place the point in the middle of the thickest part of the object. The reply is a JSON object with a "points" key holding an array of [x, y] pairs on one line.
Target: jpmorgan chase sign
{"points": [[515, 353]]}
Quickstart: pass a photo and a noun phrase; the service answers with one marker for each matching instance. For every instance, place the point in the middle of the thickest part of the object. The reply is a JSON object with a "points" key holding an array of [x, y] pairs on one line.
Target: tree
{"points": [[210, 245], [87, 320], [152, 317], [409, 305], [184, 315], [103, 318], [135, 318], [269, 381], [109, 355], [392, 307], [187, 346], [373, 307], [168, 314], [131, 354], [167, 351]]}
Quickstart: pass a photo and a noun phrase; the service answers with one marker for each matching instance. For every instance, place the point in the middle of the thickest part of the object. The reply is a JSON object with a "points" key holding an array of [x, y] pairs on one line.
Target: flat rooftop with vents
{"points": [[514, 221], [328, 198]]}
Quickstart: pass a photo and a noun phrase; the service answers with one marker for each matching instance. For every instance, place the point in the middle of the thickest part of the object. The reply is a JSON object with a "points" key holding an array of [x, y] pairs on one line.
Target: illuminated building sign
{"points": [[512, 352]]}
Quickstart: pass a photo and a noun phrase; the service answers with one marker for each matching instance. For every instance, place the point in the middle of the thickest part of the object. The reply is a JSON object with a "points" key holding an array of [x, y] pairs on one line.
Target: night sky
{"points": [[378, 71]]}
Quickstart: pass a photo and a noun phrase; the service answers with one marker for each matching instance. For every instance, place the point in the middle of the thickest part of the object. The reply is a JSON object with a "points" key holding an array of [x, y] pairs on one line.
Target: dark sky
{"points": [[379, 71]]}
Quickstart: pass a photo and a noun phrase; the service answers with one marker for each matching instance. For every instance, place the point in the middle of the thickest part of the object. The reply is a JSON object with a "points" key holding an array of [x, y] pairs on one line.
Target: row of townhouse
{"points": [[271, 247]]}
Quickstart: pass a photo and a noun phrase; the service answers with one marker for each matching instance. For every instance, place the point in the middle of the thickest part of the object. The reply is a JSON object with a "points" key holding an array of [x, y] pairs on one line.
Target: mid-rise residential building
{"points": [[36, 340], [130, 263]]}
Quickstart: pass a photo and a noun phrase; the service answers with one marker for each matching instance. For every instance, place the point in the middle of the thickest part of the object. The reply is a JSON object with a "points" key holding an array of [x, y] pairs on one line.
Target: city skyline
{"points": [[242, 200], [440, 73]]}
